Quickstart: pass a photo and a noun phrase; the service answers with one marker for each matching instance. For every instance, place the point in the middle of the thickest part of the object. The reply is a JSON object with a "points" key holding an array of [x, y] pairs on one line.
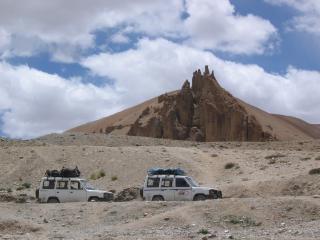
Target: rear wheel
{"points": [[157, 198], [199, 197], [53, 200]]}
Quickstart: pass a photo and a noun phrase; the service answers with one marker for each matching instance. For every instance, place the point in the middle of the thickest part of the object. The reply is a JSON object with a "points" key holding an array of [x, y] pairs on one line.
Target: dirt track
{"points": [[270, 193]]}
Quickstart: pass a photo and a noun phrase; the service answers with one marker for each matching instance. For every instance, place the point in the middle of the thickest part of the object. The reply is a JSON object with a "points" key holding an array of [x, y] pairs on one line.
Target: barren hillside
{"points": [[202, 112]]}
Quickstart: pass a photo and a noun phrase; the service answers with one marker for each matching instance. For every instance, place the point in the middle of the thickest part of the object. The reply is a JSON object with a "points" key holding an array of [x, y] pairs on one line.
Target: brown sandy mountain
{"points": [[202, 112]]}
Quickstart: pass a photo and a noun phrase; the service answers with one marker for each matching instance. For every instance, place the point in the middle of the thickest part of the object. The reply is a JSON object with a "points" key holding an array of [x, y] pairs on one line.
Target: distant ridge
{"points": [[202, 112]]}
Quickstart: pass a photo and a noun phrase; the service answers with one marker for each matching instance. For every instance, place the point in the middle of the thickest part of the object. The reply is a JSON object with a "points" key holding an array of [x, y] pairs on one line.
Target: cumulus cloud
{"points": [[66, 28], [34, 103], [309, 18], [157, 66], [217, 26], [60, 25]]}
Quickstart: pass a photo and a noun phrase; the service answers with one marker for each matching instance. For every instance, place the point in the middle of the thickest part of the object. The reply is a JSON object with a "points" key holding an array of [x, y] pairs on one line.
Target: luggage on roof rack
{"points": [[166, 171], [65, 172]]}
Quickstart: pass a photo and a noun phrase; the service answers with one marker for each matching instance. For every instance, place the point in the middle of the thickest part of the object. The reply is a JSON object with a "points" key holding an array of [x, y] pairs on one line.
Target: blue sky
{"points": [[71, 62]]}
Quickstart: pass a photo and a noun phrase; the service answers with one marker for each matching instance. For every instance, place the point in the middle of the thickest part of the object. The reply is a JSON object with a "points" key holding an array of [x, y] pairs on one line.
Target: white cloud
{"points": [[309, 18], [36, 103], [5, 39], [213, 25], [69, 27], [73, 23], [157, 66]]}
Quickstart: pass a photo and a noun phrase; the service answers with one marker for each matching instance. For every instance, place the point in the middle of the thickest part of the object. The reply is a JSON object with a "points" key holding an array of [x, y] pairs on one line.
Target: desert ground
{"points": [[268, 190]]}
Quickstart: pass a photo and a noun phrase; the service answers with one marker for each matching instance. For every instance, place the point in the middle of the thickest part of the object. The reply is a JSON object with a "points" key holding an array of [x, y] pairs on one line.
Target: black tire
{"points": [[53, 200], [199, 197], [94, 199], [157, 198]]}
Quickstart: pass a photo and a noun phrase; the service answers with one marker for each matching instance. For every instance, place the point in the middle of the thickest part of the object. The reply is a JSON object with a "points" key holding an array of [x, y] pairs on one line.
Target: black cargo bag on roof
{"points": [[52, 173], [70, 173], [166, 171]]}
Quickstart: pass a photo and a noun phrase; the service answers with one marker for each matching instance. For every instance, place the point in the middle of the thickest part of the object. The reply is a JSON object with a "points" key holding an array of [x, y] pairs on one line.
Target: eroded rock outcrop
{"points": [[201, 112]]}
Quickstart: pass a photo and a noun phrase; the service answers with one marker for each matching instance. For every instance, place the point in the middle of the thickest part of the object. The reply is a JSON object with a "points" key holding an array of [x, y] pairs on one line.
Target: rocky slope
{"points": [[201, 112]]}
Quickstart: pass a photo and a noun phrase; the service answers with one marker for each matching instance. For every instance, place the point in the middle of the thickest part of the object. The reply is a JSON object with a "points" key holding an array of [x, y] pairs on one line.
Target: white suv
{"points": [[58, 190], [175, 188]]}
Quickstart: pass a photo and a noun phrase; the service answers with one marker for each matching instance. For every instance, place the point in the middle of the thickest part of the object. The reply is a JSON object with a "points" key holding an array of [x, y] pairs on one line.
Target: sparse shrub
{"points": [[203, 231], [305, 158], [93, 176], [26, 185], [102, 173], [273, 156], [114, 178], [314, 171], [9, 190], [97, 175], [229, 165], [214, 155], [2, 189], [272, 161], [317, 158], [244, 221], [20, 188]]}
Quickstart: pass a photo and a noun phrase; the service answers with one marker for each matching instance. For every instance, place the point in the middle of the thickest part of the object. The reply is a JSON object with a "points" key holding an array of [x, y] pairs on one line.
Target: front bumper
{"points": [[107, 197], [214, 194]]}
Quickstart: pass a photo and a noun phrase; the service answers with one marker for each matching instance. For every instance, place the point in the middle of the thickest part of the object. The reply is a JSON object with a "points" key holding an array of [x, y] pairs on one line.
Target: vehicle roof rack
{"points": [[166, 171]]}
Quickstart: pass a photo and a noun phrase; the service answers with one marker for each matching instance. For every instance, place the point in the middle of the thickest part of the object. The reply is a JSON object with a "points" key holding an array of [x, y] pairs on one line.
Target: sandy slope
{"points": [[266, 198], [282, 127]]}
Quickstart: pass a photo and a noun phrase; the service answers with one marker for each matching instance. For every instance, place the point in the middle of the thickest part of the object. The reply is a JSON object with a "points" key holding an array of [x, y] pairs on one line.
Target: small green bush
{"points": [[317, 158], [203, 231], [93, 176], [97, 175], [244, 221], [20, 188], [9, 190], [114, 178], [277, 155], [101, 173], [26, 185], [229, 165], [314, 171]]}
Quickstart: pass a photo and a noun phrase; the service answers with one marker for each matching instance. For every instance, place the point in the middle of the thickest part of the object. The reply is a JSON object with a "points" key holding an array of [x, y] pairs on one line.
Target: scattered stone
{"points": [[128, 194]]}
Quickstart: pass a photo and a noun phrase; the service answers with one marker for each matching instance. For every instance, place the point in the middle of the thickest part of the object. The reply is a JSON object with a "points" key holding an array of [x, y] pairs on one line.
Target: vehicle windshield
{"points": [[87, 185], [192, 182]]}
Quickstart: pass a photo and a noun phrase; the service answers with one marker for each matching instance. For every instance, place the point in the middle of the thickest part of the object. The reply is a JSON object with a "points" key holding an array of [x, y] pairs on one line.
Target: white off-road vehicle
{"points": [[176, 188], [59, 189]]}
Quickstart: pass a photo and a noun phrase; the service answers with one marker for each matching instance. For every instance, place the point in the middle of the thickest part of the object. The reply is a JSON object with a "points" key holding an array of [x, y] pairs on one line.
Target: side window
{"points": [[75, 185], [153, 182], [48, 184], [166, 182], [181, 182], [62, 185]]}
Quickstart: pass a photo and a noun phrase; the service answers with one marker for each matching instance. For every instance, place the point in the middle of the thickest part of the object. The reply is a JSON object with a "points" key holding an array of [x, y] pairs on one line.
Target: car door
{"points": [[167, 189], [77, 192], [62, 190], [151, 188], [183, 190]]}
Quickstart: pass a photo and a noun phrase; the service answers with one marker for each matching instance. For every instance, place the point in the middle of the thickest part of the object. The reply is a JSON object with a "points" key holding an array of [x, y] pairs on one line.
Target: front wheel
{"points": [[94, 199], [199, 197]]}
